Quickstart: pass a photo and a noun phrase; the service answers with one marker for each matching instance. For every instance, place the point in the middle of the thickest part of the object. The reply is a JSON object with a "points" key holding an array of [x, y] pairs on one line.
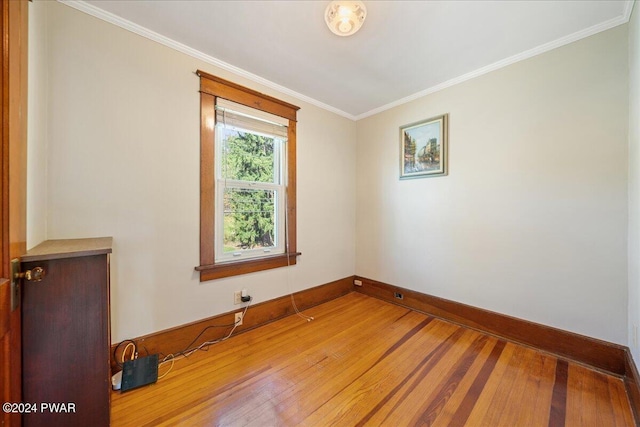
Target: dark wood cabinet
{"points": [[66, 333]]}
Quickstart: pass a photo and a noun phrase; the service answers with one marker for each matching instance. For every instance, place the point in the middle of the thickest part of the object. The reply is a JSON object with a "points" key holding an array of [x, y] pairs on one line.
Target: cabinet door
{"points": [[65, 342]]}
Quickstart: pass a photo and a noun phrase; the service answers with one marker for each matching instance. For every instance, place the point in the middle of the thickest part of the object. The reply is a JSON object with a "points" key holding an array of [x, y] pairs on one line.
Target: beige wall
{"points": [[532, 219], [634, 182], [123, 161], [37, 127]]}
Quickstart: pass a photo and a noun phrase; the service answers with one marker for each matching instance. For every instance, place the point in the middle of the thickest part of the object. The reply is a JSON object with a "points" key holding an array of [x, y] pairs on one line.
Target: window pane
{"points": [[249, 219], [248, 156]]}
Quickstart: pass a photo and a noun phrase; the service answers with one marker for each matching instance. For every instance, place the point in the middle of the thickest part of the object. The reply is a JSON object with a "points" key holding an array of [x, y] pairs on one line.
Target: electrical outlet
{"points": [[238, 320], [237, 295], [357, 282]]}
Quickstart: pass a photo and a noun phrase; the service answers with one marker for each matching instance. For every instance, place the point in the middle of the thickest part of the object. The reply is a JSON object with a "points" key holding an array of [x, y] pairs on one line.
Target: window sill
{"points": [[236, 268]]}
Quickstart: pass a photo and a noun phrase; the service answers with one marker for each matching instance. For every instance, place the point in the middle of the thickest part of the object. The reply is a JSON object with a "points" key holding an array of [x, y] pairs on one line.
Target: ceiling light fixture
{"points": [[345, 17]]}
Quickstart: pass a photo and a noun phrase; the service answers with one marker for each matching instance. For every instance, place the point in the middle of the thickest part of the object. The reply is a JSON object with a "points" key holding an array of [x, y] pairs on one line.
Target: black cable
{"points": [[188, 347], [200, 334], [205, 348], [146, 350]]}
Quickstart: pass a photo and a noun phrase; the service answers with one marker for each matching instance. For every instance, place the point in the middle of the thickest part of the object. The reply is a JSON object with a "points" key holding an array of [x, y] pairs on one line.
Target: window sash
{"points": [[279, 223], [279, 162], [277, 186]]}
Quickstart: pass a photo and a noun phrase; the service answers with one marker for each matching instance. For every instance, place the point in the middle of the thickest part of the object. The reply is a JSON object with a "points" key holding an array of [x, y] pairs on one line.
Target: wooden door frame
{"points": [[13, 164]]}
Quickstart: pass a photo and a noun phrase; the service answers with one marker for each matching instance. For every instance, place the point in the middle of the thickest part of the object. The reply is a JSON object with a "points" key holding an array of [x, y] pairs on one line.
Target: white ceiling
{"points": [[404, 50]]}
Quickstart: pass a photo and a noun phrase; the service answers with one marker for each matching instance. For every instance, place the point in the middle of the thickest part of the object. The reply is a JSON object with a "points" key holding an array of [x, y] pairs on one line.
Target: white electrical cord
{"points": [[208, 343], [171, 358], [133, 351], [286, 231]]}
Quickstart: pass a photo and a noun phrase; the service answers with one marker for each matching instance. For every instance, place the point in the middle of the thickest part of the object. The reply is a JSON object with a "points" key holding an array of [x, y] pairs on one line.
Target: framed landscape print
{"points": [[424, 148]]}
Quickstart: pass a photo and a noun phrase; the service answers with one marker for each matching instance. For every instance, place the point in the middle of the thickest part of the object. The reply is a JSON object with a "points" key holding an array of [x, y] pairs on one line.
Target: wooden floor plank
{"points": [[483, 402], [604, 410], [574, 398], [363, 361], [619, 399], [520, 390], [500, 401], [587, 415], [446, 384], [463, 399], [540, 383], [470, 399], [559, 399]]}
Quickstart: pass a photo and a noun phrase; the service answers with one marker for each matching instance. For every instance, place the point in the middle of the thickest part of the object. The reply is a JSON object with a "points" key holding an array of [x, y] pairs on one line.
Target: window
{"points": [[250, 183], [247, 180]]}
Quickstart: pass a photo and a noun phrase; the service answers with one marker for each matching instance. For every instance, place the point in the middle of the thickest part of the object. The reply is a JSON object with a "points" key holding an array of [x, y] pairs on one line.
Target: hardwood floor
{"points": [[363, 361]]}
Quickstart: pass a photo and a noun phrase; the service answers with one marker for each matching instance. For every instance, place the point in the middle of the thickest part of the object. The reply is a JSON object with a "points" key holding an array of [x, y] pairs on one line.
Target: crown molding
{"points": [[603, 26], [166, 41], [628, 8], [159, 38]]}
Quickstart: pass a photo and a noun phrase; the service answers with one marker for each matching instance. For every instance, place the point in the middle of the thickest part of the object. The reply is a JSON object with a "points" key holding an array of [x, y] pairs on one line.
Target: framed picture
{"points": [[424, 148]]}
